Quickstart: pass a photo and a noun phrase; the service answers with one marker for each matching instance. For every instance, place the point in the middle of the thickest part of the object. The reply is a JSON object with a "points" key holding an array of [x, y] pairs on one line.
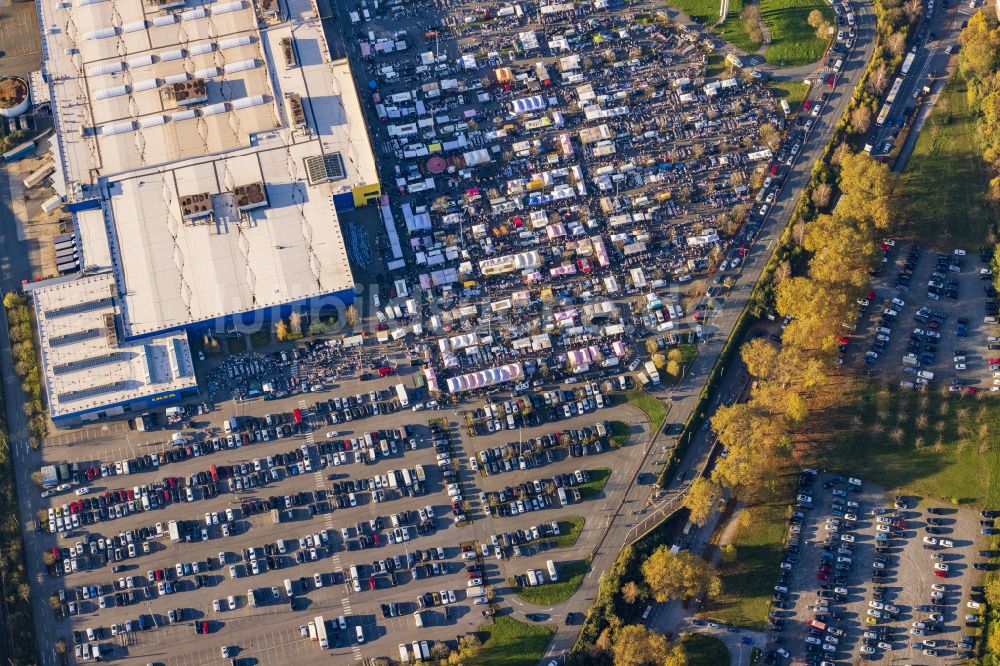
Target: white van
{"points": [[288, 587], [418, 617]]}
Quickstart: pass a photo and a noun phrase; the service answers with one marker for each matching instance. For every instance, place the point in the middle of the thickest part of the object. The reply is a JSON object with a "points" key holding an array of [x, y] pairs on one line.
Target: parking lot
{"points": [[333, 513], [927, 320], [876, 578]]}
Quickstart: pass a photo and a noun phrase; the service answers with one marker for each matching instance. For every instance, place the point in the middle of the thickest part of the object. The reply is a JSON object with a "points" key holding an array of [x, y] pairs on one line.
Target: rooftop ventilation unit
{"points": [[185, 93], [164, 4], [250, 196], [268, 10], [288, 51], [295, 110], [194, 206]]}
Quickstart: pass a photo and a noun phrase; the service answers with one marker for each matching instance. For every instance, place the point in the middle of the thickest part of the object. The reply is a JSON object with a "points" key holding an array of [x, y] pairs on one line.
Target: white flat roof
{"points": [[85, 367], [127, 139]]}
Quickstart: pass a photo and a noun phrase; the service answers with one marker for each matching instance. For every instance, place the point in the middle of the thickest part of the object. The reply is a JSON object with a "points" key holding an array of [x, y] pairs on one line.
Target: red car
{"points": [[376, 539], [806, 105], [201, 627], [969, 390], [831, 79], [825, 577], [371, 583], [940, 574], [56, 553]]}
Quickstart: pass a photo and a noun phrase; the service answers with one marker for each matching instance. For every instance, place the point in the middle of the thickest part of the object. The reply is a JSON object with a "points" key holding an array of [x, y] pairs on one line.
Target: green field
{"points": [[793, 40], [792, 92], [704, 650], [508, 642], [926, 443], [598, 479], [748, 577], [945, 181], [569, 532], [571, 576], [652, 406]]}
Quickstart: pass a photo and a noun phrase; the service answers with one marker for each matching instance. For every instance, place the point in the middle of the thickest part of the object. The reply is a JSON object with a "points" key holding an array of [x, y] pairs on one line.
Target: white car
{"points": [[930, 541], [946, 543], [974, 605], [82, 490]]}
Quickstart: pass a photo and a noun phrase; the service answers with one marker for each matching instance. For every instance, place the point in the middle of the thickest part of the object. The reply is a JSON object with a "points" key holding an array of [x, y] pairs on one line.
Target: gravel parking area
{"points": [[925, 324], [867, 588]]}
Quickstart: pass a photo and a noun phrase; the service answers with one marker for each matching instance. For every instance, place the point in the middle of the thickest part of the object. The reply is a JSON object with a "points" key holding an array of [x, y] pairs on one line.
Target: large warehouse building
{"points": [[206, 150]]}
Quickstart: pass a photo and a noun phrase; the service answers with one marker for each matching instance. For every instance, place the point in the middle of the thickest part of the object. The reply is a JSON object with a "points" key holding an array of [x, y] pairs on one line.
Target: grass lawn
{"points": [[598, 479], [921, 442], [793, 40], [569, 532], [792, 92], [618, 433], [570, 579], [704, 650], [508, 642], [945, 181], [653, 407], [706, 12], [748, 577]]}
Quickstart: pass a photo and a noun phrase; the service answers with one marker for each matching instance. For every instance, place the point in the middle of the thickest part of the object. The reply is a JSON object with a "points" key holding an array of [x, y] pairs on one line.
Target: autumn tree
{"points": [[867, 187], [751, 21], [817, 21], [635, 645], [681, 576], [631, 592], [896, 43], [861, 118], [760, 356], [979, 56], [700, 498], [281, 330], [822, 195], [879, 77]]}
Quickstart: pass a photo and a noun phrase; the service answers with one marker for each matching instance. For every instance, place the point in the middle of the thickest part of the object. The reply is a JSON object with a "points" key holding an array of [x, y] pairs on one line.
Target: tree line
{"points": [[22, 347], [979, 66], [19, 628], [837, 250]]}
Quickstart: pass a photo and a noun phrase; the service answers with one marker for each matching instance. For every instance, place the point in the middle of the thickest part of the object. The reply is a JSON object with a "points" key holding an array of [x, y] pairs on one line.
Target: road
{"points": [[949, 26], [931, 65]]}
